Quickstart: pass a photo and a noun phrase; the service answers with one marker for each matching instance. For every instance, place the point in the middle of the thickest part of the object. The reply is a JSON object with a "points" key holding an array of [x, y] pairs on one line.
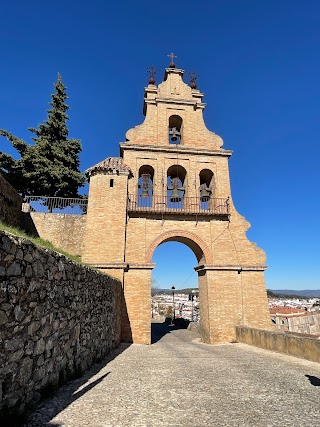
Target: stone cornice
{"points": [[173, 71], [110, 265], [196, 93], [174, 149], [135, 266], [176, 101], [238, 268], [122, 266], [151, 89]]}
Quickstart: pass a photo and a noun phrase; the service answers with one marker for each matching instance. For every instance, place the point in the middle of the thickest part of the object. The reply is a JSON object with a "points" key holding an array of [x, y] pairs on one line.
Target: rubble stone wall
{"points": [[10, 204], [57, 318], [305, 348]]}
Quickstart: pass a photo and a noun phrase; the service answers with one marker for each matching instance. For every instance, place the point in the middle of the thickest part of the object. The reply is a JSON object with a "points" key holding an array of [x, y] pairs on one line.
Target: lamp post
{"points": [[173, 318], [192, 296]]}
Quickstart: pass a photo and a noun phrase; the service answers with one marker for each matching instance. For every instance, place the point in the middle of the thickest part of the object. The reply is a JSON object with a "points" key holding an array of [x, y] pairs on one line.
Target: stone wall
{"points": [[63, 231], [305, 348], [57, 318], [10, 203]]}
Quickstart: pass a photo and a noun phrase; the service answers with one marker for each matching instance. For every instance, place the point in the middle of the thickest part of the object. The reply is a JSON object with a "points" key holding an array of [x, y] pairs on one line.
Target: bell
{"points": [[145, 193], [175, 196], [175, 134], [145, 184], [204, 195]]}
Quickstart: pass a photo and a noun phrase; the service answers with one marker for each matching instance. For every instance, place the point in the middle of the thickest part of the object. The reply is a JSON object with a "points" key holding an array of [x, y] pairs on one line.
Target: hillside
{"points": [[308, 293], [272, 293]]}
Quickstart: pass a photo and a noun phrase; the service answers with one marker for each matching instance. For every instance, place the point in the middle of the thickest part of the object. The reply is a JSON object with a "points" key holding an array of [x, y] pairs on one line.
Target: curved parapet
{"points": [[175, 98], [248, 253]]}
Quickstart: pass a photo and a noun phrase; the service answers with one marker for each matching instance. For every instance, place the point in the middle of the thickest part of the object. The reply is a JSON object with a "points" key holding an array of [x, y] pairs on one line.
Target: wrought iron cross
{"points": [[152, 72], [172, 56], [193, 77]]}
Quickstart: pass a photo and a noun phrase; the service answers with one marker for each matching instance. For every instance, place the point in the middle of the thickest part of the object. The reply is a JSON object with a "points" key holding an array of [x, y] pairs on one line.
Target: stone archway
{"points": [[137, 284], [202, 254], [197, 245]]}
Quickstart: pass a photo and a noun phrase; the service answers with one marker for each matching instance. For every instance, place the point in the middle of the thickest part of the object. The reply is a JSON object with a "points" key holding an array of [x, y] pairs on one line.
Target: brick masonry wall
{"points": [[231, 268], [227, 298], [56, 319], [305, 348], [104, 240], [10, 203], [64, 231], [184, 102]]}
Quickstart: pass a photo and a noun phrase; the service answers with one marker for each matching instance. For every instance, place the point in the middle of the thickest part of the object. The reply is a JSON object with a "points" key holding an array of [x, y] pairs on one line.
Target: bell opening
{"points": [[175, 129], [206, 186], [145, 186]]}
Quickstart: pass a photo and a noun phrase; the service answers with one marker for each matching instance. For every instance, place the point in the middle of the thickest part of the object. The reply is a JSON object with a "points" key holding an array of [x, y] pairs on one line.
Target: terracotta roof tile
{"points": [[110, 164], [286, 310]]}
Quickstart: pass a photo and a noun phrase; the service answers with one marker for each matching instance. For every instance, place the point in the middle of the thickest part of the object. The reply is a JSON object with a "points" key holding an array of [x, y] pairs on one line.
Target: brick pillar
{"points": [[229, 297], [254, 295], [136, 325], [204, 305], [224, 301]]}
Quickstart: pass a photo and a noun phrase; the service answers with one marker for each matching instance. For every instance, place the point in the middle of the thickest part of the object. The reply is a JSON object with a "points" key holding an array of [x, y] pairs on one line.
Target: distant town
{"points": [[185, 303], [290, 312]]}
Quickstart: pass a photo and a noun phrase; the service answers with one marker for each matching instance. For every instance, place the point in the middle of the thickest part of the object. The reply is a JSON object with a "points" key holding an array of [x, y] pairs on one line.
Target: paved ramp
{"points": [[178, 381]]}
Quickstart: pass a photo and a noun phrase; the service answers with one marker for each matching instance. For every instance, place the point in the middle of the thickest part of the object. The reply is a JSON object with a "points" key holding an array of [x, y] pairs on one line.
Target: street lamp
{"points": [[192, 296], [173, 318]]}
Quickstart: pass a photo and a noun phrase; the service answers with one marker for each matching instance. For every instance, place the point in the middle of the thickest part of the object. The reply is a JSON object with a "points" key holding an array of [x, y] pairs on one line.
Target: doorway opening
{"points": [[174, 289]]}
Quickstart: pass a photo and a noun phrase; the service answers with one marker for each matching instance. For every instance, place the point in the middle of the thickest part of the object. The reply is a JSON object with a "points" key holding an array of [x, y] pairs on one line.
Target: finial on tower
{"points": [[152, 72], [172, 64], [193, 77]]}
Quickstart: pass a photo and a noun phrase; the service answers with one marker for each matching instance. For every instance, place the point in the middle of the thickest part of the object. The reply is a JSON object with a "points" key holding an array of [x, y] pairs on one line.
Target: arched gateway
{"points": [[171, 183]]}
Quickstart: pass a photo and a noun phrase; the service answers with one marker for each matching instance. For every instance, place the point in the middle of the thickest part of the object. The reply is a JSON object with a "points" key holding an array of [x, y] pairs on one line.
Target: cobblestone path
{"points": [[178, 381]]}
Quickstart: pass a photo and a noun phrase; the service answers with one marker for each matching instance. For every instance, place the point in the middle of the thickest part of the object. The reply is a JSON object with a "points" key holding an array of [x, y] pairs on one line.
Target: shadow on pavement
{"points": [[159, 330], [313, 380], [67, 394]]}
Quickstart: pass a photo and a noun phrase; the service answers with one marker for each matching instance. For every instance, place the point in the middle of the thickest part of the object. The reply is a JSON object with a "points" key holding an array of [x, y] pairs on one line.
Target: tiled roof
{"points": [[113, 165], [285, 310]]}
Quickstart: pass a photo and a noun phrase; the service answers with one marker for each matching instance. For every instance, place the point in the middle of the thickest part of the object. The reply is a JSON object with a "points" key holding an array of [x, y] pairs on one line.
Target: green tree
{"points": [[49, 167]]}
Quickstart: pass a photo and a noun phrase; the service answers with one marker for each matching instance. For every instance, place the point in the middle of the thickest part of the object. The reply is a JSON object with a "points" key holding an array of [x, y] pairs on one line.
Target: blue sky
{"points": [[259, 67]]}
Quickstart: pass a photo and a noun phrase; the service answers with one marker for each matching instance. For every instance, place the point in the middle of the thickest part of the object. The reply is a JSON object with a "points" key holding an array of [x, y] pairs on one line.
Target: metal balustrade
{"points": [[58, 205], [136, 203], [187, 205]]}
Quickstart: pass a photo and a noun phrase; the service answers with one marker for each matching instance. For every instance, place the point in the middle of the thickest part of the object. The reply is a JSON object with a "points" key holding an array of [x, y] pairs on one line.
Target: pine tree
{"points": [[50, 167], [11, 168]]}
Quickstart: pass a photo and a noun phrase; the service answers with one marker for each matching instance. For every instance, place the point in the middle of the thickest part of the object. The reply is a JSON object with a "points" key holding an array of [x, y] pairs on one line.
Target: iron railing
{"points": [[136, 203], [187, 205], [58, 205]]}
